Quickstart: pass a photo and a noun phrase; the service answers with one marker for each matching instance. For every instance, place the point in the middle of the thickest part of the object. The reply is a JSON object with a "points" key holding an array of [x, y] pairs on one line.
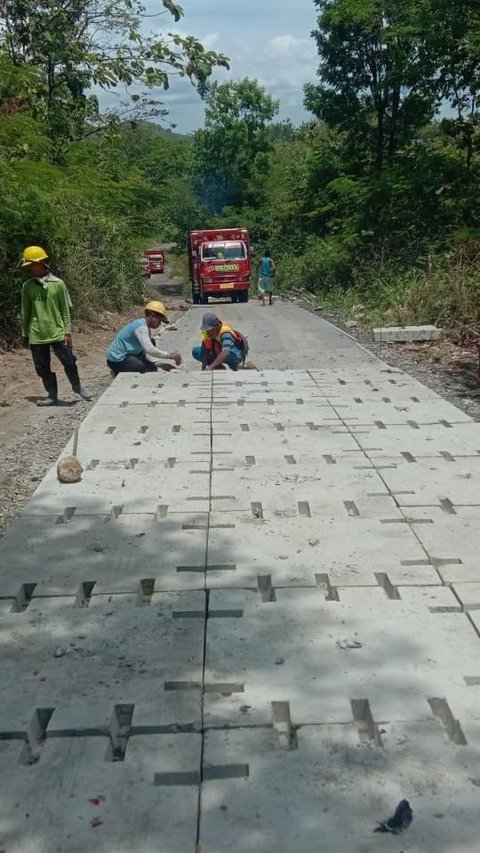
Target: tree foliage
{"points": [[78, 44], [374, 73], [231, 153], [379, 192]]}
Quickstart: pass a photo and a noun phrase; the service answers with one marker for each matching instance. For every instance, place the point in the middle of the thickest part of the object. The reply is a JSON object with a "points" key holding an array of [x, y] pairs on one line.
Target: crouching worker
{"points": [[221, 345], [133, 349]]}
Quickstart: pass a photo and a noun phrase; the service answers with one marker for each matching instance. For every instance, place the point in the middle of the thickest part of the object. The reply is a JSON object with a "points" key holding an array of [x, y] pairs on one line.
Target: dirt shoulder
{"points": [[31, 438]]}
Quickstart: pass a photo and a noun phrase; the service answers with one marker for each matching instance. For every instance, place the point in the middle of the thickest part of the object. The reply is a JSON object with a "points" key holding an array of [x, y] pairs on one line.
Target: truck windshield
{"points": [[223, 251]]}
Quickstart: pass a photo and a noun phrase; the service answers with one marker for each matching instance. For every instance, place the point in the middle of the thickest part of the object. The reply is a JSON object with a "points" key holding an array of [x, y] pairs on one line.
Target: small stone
{"points": [[279, 661], [69, 470], [59, 653]]}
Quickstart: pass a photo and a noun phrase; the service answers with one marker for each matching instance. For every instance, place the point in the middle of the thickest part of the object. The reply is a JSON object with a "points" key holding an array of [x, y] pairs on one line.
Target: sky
{"points": [[265, 39]]}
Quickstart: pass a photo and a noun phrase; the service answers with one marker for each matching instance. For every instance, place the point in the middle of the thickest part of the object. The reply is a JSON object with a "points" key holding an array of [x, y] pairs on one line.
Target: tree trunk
{"points": [[392, 136], [380, 137]]}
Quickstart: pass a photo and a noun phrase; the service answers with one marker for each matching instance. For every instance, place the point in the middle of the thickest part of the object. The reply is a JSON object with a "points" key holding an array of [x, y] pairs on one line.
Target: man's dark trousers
{"points": [[41, 360], [132, 364]]}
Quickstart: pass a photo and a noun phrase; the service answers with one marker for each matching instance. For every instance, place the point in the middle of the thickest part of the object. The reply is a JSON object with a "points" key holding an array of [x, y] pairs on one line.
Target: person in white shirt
{"points": [[133, 350]]}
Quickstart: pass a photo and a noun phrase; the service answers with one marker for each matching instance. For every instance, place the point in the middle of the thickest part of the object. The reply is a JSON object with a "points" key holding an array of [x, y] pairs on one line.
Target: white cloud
{"points": [[210, 40], [282, 46], [276, 49]]}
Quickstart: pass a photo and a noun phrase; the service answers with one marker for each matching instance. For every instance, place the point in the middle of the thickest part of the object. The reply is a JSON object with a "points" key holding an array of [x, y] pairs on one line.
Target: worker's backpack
{"points": [[242, 342]]}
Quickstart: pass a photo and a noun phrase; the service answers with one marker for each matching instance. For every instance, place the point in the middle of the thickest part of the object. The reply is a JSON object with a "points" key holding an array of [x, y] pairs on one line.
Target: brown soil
{"points": [[31, 438]]}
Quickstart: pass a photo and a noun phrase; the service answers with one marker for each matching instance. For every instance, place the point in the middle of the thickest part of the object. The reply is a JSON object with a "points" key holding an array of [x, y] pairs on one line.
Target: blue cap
{"points": [[209, 322]]}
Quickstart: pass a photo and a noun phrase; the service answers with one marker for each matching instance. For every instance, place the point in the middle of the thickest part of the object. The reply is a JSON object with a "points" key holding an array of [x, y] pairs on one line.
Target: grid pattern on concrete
{"points": [[252, 626]]}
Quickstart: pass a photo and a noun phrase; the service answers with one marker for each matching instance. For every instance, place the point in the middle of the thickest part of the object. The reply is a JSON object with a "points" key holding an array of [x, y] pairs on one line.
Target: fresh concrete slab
{"points": [[331, 792], [324, 604], [362, 493], [113, 553], [301, 551], [451, 541], [435, 482], [77, 799], [319, 655], [82, 661], [462, 439], [363, 411]]}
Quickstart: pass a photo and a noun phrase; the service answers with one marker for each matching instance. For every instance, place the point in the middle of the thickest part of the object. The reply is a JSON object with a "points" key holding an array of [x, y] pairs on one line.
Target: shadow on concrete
{"points": [[103, 624]]}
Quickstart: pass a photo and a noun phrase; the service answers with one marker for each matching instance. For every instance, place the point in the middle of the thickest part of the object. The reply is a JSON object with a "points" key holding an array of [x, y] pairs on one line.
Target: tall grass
{"points": [[444, 290]]}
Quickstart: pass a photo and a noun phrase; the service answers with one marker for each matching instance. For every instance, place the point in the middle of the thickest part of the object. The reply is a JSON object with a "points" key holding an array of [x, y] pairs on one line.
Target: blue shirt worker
{"points": [[133, 350], [221, 345], [265, 279]]}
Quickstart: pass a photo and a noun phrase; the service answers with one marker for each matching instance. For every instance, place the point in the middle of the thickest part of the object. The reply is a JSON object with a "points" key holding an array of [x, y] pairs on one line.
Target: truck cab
{"points": [[156, 260], [219, 262]]}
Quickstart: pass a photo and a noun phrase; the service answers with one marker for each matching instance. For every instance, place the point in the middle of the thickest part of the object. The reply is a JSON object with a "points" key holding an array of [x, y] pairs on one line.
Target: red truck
{"points": [[219, 263], [156, 260]]}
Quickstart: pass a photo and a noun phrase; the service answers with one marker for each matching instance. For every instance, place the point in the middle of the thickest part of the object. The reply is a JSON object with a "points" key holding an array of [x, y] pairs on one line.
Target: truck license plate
{"points": [[227, 286]]}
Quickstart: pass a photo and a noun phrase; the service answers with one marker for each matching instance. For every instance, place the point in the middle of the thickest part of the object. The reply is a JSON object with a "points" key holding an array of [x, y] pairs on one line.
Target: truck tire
{"points": [[234, 297], [195, 297], [243, 296], [204, 299]]}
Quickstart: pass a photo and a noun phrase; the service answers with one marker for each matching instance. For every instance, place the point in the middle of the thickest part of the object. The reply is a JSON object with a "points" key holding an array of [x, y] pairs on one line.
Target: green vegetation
{"points": [[86, 186], [375, 201]]}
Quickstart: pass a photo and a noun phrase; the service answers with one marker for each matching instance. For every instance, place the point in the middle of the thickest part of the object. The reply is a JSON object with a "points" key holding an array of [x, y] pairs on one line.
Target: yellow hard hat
{"points": [[157, 308], [33, 254]]}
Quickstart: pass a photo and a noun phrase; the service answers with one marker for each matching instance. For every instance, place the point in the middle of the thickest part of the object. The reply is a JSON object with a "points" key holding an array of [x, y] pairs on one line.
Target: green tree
{"points": [[373, 81], [453, 47], [80, 43], [231, 152]]}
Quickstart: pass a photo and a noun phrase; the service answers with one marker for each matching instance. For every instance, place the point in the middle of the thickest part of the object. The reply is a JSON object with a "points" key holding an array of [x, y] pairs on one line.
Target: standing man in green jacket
{"points": [[46, 323]]}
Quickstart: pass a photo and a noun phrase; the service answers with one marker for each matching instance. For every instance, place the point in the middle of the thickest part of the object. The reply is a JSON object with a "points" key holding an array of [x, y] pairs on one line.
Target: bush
{"points": [[95, 256], [93, 252], [444, 290], [325, 263]]}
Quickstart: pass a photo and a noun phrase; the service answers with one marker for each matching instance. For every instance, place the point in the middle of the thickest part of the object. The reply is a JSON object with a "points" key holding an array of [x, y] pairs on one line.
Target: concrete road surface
{"points": [[252, 626]]}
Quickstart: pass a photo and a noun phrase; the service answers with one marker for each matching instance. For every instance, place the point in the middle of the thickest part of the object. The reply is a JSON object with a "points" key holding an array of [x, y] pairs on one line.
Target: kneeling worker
{"points": [[133, 350], [220, 345]]}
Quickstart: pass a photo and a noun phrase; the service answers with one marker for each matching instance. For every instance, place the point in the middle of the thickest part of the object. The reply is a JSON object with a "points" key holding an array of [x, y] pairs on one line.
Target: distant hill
{"points": [[157, 130]]}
